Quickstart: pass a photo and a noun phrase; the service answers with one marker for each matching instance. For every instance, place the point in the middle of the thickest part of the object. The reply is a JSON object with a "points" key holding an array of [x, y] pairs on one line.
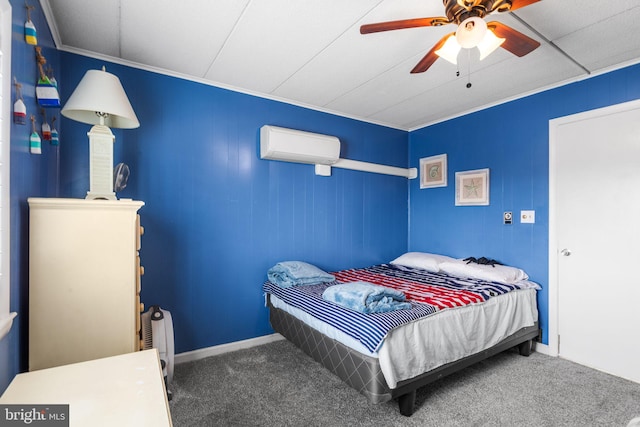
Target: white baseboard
{"points": [[190, 356], [544, 349]]}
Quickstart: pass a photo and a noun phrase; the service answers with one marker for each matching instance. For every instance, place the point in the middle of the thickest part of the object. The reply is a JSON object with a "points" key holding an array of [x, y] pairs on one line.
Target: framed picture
{"points": [[433, 171], [472, 188]]}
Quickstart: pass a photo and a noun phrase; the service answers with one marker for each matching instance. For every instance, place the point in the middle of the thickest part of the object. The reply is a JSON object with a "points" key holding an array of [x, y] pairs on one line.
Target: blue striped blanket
{"points": [[369, 329]]}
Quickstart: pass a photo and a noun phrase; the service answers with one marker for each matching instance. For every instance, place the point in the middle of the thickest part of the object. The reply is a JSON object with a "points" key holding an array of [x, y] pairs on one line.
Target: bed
{"points": [[456, 314]]}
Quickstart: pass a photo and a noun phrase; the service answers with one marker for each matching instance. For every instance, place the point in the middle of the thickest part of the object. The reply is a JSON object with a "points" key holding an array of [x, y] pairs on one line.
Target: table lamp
{"points": [[100, 100]]}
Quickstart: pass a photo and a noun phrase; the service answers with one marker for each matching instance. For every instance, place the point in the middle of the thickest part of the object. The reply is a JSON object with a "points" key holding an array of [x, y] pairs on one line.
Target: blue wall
{"points": [[512, 140], [217, 217], [31, 176]]}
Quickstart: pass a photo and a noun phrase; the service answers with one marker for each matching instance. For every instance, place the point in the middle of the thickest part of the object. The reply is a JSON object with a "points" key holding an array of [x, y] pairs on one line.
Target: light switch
{"points": [[507, 217], [527, 217]]}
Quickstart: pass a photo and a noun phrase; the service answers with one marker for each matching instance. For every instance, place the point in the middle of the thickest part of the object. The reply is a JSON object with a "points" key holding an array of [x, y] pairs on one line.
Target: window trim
{"points": [[6, 316]]}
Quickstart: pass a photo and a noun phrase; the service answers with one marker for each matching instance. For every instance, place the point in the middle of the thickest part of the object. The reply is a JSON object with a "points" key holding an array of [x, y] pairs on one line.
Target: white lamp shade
{"points": [[489, 43], [101, 92], [470, 32], [449, 50]]}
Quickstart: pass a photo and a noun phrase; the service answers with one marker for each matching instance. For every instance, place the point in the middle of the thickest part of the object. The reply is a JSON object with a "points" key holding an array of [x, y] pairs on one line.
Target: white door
{"points": [[597, 214]]}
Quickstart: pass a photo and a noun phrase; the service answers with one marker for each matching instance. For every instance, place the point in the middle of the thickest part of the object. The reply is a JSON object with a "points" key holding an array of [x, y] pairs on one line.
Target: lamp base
{"points": [[101, 163], [92, 195]]}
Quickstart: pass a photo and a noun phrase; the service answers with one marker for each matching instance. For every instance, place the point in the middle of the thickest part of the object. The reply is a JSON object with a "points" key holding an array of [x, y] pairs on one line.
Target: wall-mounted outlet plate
{"points": [[528, 217]]}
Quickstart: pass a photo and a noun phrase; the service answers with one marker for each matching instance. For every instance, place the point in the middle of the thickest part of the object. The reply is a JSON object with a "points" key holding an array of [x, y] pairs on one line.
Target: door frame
{"points": [[554, 251]]}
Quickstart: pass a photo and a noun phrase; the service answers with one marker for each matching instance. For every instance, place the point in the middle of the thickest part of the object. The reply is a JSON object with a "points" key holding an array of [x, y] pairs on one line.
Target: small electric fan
{"points": [[120, 177]]}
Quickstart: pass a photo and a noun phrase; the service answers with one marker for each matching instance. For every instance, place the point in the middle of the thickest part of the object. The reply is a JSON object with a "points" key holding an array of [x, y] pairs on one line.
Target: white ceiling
{"points": [[311, 52]]}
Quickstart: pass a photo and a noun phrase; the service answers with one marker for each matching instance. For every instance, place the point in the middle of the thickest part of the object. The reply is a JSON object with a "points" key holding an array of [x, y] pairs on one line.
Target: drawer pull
{"points": [[142, 270], [141, 307]]}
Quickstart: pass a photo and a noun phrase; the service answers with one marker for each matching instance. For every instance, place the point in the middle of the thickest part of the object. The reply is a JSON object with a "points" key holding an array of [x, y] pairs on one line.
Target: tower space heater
{"points": [[157, 332]]}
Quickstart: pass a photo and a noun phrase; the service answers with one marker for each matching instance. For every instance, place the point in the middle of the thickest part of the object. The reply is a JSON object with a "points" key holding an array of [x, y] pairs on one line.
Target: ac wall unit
{"points": [[291, 145]]}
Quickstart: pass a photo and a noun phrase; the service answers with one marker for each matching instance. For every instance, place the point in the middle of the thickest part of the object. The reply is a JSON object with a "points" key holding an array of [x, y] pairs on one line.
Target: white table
{"points": [[124, 390]]}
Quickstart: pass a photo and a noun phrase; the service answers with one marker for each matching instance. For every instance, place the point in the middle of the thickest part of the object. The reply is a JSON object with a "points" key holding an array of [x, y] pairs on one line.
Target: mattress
{"points": [[436, 338]]}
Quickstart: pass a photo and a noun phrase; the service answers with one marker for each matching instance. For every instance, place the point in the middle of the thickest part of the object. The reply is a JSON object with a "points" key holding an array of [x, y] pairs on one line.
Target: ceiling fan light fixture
{"points": [[468, 16], [449, 50], [471, 31], [489, 43]]}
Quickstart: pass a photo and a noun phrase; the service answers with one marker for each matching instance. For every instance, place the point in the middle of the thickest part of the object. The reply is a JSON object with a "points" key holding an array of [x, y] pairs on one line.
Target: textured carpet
{"points": [[278, 385]]}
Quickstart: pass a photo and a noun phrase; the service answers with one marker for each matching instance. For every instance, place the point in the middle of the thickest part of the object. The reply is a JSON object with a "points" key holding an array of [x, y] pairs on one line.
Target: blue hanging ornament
{"points": [[35, 143], [55, 138], [46, 92]]}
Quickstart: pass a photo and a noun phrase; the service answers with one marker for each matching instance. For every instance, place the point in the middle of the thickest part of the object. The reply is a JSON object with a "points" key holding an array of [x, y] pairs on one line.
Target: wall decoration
{"points": [[52, 79], [46, 92], [433, 171], [472, 188], [30, 29], [35, 143], [19, 108], [46, 129], [55, 137]]}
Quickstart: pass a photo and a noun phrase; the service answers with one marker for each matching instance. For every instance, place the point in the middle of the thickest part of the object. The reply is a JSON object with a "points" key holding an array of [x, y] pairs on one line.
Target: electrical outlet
{"points": [[507, 217], [528, 217]]}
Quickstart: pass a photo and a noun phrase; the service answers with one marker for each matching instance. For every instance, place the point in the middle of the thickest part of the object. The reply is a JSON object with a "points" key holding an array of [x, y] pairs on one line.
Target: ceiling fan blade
{"points": [[516, 42], [517, 4], [510, 5], [402, 24], [428, 60]]}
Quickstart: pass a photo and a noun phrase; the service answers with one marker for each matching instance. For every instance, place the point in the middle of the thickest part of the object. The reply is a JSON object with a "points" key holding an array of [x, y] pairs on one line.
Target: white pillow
{"points": [[497, 273], [422, 260]]}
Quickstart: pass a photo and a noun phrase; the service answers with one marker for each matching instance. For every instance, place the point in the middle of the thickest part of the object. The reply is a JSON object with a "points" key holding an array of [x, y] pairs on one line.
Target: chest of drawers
{"points": [[84, 280]]}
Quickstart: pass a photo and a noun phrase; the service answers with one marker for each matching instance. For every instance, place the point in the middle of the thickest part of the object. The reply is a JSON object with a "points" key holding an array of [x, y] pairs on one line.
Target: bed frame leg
{"points": [[406, 403], [525, 348]]}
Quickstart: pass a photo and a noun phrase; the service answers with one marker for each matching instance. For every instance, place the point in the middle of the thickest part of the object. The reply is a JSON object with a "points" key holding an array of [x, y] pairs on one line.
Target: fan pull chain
{"points": [[469, 74]]}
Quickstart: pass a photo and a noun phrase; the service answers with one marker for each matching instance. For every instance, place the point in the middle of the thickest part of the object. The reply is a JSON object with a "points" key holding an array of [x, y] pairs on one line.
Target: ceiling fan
{"points": [[472, 30]]}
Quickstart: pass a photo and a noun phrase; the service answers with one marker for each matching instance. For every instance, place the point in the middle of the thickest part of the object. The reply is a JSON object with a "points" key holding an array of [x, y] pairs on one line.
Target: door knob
{"points": [[565, 252]]}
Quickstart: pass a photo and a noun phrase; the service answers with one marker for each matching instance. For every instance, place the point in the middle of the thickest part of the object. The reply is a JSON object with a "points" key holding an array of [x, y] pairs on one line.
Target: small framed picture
{"points": [[472, 188], [433, 171]]}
